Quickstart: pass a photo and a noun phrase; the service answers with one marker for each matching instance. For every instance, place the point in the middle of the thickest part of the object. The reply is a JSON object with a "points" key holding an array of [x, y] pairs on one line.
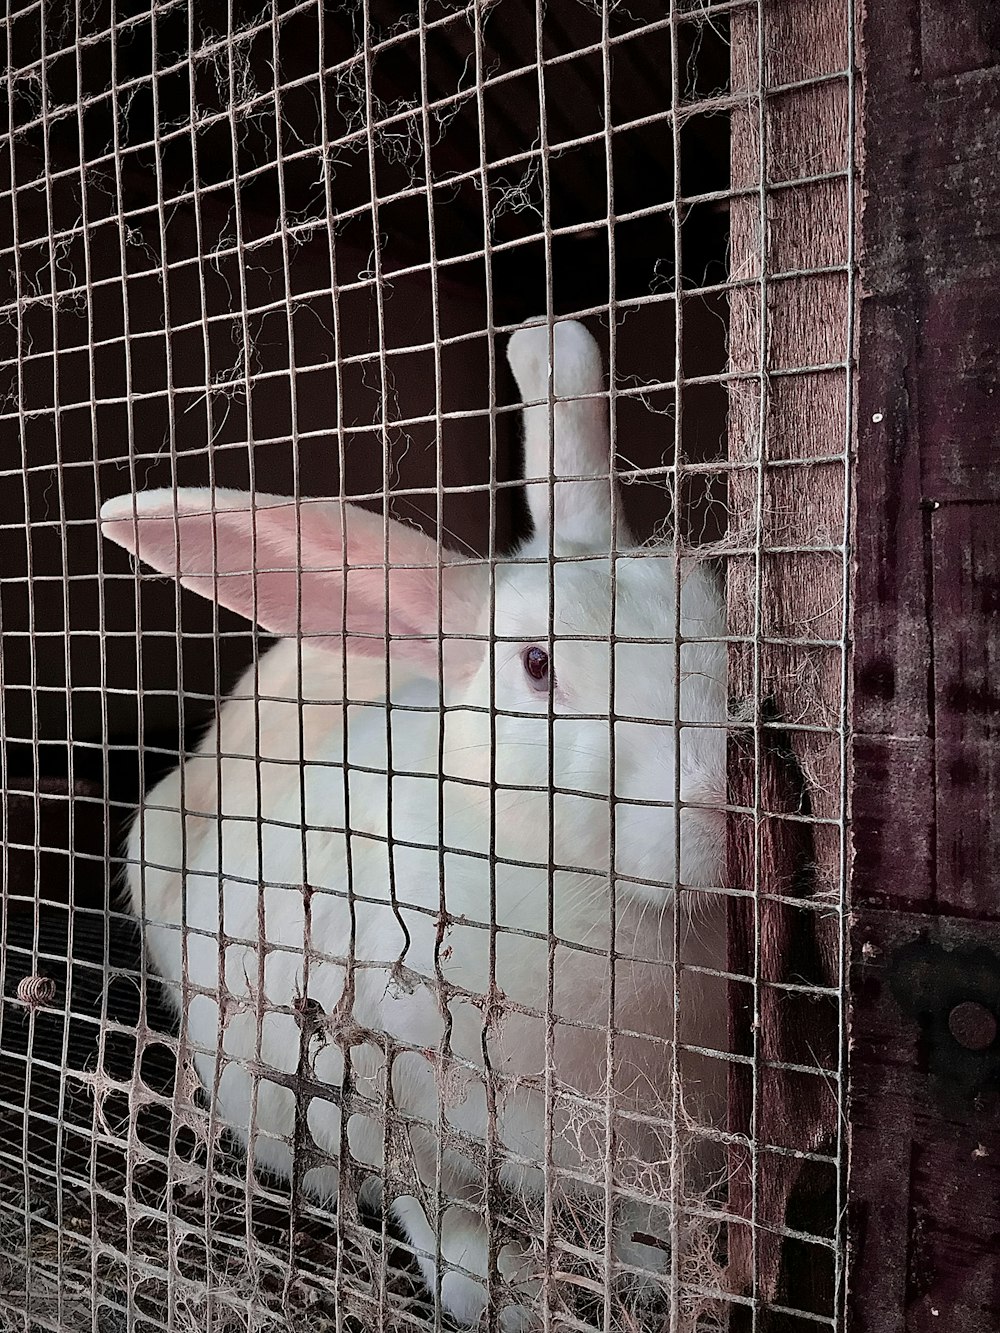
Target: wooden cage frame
{"points": [[923, 766]]}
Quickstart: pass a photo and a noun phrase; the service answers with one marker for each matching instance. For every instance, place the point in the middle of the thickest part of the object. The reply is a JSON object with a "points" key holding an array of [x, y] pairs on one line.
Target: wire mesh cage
{"points": [[424, 510]]}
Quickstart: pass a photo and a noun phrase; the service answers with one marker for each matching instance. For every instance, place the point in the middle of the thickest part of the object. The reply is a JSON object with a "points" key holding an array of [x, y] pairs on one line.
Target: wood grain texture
{"points": [[925, 1127], [795, 321]]}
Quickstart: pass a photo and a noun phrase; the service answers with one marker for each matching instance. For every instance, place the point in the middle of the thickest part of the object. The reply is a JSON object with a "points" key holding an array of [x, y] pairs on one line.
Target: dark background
{"points": [[128, 320]]}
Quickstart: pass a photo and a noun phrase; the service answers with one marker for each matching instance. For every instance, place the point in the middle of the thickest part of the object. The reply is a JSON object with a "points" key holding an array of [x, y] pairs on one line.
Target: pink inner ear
{"points": [[281, 564]]}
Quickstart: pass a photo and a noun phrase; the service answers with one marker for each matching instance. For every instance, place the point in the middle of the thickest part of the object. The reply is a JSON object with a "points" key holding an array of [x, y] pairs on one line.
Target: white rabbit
{"points": [[392, 937]]}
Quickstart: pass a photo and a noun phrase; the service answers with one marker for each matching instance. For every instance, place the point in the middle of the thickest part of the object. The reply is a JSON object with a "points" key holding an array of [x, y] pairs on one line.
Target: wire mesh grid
{"points": [[554, 1037]]}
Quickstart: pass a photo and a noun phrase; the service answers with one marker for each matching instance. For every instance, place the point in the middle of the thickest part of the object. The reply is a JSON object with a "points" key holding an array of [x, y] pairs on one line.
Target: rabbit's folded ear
{"points": [[282, 563], [581, 445]]}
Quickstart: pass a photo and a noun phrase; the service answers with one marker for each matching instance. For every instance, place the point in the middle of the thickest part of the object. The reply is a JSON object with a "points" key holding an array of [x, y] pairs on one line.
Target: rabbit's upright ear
{"points": [[316, 568], [581, 445]]}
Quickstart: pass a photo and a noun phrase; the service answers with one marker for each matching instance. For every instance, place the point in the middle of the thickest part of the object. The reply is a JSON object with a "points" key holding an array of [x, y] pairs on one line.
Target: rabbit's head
{"points": [[588, 636], [540, 707]]}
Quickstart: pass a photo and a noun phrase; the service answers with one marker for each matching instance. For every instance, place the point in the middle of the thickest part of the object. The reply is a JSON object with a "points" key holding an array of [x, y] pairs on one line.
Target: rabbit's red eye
{"points": [[536, 664]]}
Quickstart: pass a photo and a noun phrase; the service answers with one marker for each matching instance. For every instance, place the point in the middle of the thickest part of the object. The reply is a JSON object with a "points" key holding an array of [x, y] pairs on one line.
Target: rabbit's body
{"points": [[281, 901]]}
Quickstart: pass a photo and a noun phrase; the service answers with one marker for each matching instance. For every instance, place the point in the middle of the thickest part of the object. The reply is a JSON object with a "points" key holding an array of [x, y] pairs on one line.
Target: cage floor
{"points": [[115, 1216], [96, 1230]]}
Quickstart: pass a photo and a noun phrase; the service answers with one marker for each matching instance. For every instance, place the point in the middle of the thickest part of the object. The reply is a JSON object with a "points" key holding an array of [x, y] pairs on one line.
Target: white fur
{"points": [[246, 834]]}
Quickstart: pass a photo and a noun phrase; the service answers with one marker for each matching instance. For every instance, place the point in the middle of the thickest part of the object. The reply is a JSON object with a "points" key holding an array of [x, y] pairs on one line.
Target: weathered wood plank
{"points": [[957, 36], [926, 1190], [925, 1055], [965, 550], [893, 789], [799, 320], [959, 368], [891, 632]]}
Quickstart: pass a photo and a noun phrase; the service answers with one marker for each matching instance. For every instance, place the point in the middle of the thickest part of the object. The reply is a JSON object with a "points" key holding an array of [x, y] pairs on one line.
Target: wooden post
{"points": [[788, 431], [925, 1003]]}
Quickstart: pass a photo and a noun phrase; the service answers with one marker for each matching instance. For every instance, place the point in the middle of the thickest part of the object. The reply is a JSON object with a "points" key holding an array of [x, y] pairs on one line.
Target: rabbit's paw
{"points": [[465, 1256]]}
